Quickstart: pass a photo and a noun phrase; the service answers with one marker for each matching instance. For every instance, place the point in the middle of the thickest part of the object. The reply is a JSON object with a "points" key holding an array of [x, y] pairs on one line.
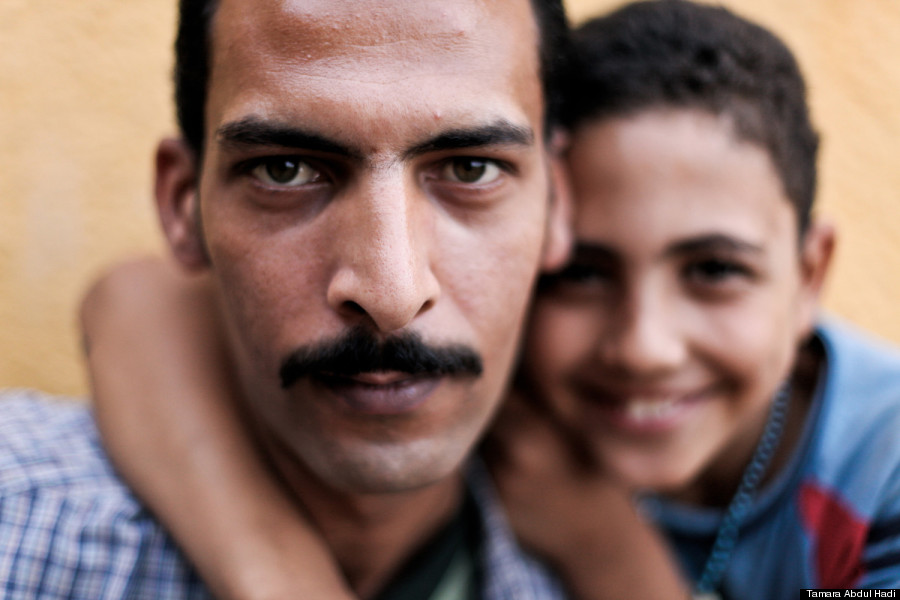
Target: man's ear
{"points": [[558, 239], [176, 201], [816, 250]]}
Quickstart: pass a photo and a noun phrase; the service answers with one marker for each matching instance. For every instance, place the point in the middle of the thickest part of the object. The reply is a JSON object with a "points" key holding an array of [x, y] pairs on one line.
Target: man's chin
{"points": [[390, 468], [373, 434]]}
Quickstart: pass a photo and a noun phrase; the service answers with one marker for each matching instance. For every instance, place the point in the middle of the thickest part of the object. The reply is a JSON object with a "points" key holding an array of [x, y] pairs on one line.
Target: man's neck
{"points": [[372, 535]]}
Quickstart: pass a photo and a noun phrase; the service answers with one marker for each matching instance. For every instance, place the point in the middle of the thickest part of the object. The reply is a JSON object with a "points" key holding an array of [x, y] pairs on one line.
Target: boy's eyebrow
{"points": [[714, 242], [500, 132], [596, 252], [253, 131]]}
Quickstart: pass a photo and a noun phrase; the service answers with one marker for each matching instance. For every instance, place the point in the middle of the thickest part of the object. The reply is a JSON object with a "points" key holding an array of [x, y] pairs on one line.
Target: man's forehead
{"points": [[373, 34], [314, 25], [272, 57], [373, 27]]}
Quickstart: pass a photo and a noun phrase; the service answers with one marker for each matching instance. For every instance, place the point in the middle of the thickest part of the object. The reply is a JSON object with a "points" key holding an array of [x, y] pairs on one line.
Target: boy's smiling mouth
{"points": [[645, 411]]}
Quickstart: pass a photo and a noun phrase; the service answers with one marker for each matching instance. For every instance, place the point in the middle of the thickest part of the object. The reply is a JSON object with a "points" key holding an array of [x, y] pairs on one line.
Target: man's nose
{"points": [[383, 266], [644, 337]]}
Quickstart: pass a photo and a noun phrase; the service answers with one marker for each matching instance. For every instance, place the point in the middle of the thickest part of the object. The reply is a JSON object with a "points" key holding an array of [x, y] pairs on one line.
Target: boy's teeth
{"points": [[649, 410]]}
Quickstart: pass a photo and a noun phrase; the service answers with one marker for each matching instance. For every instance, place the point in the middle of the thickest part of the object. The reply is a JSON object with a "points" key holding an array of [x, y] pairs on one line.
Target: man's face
{"points": [[375, 169]]}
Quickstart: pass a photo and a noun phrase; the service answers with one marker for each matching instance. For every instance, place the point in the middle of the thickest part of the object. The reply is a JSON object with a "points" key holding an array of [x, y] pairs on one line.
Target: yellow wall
{"points": [[85, 93]]}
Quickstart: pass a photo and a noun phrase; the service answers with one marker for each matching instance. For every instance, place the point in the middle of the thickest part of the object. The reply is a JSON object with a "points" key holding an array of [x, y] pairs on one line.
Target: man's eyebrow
{"points": [[500, 132], [252, 131], [714, 242]]}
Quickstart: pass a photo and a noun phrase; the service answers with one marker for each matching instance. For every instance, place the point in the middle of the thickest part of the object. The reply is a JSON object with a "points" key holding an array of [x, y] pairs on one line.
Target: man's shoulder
{"points": [[68, 526], [49, 443]]}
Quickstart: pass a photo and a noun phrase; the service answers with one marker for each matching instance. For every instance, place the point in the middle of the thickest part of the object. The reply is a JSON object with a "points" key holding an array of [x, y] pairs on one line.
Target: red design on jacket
{"points": [[838, 537]]}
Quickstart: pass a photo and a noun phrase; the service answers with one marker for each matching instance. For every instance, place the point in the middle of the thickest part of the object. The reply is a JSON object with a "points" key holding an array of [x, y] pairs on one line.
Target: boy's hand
{"points": [[564, 509]]}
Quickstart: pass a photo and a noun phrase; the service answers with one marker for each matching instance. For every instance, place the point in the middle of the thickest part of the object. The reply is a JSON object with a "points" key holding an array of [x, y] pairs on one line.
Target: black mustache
{"points": [[360, 351]]}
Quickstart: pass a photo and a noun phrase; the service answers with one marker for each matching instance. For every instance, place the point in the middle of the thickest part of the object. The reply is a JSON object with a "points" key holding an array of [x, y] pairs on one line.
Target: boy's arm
{"points": [[164, 403], [568, 513]]}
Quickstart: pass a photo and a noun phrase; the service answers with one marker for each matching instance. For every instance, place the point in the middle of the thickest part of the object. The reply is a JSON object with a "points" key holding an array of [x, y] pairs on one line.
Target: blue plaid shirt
{"points": [[69, 528]]}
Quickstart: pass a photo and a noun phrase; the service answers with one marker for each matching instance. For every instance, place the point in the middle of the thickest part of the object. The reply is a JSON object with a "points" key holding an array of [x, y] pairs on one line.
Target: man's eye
{"points": [[471, 170], [285, 172]]}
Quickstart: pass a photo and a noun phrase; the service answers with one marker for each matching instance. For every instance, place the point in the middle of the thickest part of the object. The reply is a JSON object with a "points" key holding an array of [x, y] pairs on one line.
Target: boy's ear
{"points": [[816, 251], [177, 202], [558, 239]]}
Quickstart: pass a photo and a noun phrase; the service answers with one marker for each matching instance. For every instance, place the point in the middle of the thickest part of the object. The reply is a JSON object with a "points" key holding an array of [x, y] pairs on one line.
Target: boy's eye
{"points": [[578, 277], [285, 172], [471, 170], [583, 274], [715, 270]]}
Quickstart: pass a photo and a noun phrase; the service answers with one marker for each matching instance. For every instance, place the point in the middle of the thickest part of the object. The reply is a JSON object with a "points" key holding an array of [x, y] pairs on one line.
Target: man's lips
{"points": [[380, 392], [379, 377]]}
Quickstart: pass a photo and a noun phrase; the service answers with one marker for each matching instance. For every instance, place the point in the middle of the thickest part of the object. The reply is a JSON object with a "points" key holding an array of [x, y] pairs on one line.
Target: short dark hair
{"points": [[193, 47], [675, 53]]}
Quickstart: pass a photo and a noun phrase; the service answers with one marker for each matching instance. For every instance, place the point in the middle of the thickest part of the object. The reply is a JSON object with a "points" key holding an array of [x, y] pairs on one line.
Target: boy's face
{"points": [[682, 311]]}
